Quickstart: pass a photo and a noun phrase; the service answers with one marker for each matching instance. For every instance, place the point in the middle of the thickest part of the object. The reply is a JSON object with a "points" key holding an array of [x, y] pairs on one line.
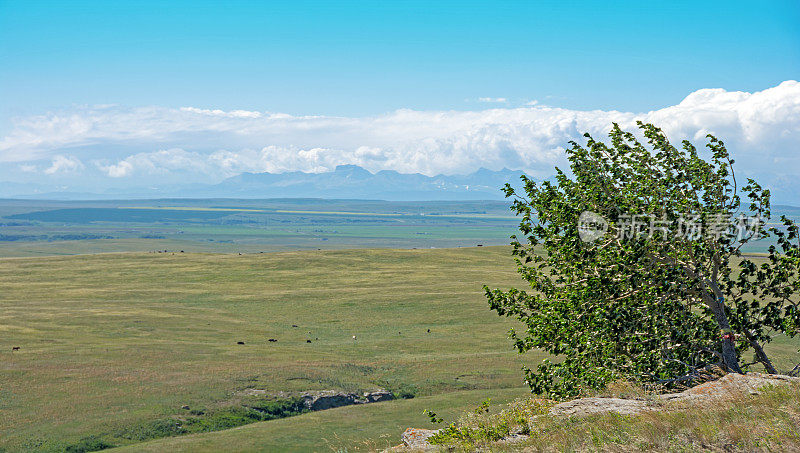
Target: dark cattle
{"points": [[294, 325], [14, 348], [308, 341], [240, 342], [272, 340]]}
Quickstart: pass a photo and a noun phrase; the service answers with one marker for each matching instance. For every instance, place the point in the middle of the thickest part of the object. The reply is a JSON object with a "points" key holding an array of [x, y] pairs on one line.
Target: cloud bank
{"points": [[115, 143]]}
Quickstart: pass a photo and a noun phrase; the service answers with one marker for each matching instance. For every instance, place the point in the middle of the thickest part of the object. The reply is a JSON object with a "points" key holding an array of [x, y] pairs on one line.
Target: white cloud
{"points": [[761, 128], [118, 170], [64, 164], [159, 163], [498, 100], [224, 114]]}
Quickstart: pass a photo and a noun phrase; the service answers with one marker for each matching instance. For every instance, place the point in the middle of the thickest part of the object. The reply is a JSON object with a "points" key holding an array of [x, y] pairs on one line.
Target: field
{"points": [[126, 312], [43, 228], [114, 341]]}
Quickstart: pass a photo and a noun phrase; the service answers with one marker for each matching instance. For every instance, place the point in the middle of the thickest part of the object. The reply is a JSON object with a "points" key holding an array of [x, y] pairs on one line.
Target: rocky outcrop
{"points": [[328, 399], [728, 386], [378, 396], [589, 406], [731, 385]]}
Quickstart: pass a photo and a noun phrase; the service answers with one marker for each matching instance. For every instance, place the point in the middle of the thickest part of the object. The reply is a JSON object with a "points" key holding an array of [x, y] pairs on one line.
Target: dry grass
{"points": [[769, 421]]}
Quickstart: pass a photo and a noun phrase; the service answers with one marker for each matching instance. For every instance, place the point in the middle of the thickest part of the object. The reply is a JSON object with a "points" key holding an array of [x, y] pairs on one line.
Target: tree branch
{"points": [[761, 356]]}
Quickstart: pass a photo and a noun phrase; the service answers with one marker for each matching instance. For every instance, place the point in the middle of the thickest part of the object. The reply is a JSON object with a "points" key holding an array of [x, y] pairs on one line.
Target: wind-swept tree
{"points": [[635, 266]]}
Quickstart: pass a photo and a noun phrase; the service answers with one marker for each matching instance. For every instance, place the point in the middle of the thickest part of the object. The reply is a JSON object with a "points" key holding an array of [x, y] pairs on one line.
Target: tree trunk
{"points": [[729, 355], [760, 354]]}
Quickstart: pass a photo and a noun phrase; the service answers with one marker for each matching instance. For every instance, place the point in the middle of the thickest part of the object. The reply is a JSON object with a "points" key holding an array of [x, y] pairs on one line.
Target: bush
{"points": [[153, 430], [91, 443], [401, 390]]}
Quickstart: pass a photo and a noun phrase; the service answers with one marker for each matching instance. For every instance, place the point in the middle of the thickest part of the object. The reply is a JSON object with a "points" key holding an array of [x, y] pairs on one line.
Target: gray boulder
{"points": [[377, 396], [327, 399]]}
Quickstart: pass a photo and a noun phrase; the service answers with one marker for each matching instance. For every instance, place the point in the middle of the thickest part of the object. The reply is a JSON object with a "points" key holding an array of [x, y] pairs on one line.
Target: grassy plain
{"points": [[117, 341], [112, 341]]}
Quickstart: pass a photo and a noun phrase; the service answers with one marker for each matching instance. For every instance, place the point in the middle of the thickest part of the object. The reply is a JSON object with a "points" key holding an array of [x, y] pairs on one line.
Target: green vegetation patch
{"points": [[193, 421]]}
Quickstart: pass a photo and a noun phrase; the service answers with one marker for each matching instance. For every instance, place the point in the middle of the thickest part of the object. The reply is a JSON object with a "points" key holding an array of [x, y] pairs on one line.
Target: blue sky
{"points": [[357, 58], [96, 95]]}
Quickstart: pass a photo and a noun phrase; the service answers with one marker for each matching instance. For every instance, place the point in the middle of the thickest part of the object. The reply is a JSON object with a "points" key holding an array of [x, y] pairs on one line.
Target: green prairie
{"points": [[113, 341], [114, 344]]}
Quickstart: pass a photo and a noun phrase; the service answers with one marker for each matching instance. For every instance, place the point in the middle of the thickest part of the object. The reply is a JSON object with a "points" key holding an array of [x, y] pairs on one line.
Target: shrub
{"points": [[87, 444]]}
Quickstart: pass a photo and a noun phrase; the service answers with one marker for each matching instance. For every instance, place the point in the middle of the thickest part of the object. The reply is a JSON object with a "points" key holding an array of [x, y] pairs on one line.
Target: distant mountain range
{"points": [[352, 181], [346, 181]]}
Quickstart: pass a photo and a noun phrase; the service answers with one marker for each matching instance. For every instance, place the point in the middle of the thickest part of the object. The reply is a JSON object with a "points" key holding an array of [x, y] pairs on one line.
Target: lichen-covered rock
{"points": [[589, 406], [731, 384], [417, 439], [725, 387]]}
